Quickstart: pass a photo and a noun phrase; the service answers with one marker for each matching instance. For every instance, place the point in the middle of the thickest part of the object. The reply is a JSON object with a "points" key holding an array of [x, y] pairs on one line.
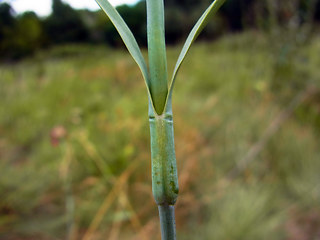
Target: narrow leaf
{"points": [[196, 30], [127, 38], [157, 54]]}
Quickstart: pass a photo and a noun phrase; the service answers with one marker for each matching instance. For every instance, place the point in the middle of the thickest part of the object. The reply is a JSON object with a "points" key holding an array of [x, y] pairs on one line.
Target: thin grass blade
{"points": [[196, 30], [127, 37], [157, 54]]}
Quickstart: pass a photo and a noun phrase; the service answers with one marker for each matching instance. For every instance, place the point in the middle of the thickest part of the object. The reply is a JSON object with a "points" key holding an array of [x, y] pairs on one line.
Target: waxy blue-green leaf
{"points": [[196, 30], [157, 54], [127, 37]]}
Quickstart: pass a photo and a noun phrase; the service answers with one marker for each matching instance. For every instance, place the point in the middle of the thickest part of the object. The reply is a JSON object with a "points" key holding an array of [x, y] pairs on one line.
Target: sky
{"points": [[43, 7]]}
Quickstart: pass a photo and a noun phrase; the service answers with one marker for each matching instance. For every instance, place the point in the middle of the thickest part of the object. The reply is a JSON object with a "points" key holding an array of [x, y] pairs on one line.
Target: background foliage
{"points": [[22, 35]]}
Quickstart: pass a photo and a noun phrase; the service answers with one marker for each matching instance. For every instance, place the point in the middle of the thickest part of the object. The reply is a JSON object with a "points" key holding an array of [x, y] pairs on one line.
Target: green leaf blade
{"points": [[127, 37], [196, 30], [157, 54]]}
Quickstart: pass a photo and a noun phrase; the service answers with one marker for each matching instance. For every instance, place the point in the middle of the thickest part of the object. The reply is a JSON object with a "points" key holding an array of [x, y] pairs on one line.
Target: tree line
{"points": [[21, 35]]}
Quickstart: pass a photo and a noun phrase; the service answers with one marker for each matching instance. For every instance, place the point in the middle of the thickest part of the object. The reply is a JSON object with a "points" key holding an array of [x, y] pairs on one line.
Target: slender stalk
{"points": [[164, 169], [157, 54], [167, 220]]}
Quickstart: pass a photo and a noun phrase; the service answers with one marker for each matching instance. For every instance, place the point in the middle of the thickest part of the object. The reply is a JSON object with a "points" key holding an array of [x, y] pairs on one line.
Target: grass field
{"points": [[75, 153]]}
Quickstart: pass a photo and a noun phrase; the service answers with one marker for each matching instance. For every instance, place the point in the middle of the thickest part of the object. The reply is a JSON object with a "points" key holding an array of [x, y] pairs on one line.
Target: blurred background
{"points": [[74, 134]]}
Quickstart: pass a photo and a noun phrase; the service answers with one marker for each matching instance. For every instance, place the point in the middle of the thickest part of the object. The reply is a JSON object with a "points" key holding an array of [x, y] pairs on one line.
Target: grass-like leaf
{"points": [[127, 37], [157, 54], [196, 30]]}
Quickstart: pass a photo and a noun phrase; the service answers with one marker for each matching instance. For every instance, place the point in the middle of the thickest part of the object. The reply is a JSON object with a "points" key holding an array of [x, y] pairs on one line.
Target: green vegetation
{"points": [[24, 34], [74, 144], [163, 159]]}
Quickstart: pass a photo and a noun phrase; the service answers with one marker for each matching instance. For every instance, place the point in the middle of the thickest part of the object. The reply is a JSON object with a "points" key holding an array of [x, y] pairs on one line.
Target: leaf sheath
{"points": [[163, 160]]}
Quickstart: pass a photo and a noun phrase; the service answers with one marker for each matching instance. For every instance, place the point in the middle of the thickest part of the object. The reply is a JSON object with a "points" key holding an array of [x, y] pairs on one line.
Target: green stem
{"points": [[167, 220], [157, 54], [164, 169]]}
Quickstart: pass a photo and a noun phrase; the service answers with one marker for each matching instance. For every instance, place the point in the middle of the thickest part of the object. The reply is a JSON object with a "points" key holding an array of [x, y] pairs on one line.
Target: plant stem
{"points": [[157, 54], [164, 169], [167, 222]]}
